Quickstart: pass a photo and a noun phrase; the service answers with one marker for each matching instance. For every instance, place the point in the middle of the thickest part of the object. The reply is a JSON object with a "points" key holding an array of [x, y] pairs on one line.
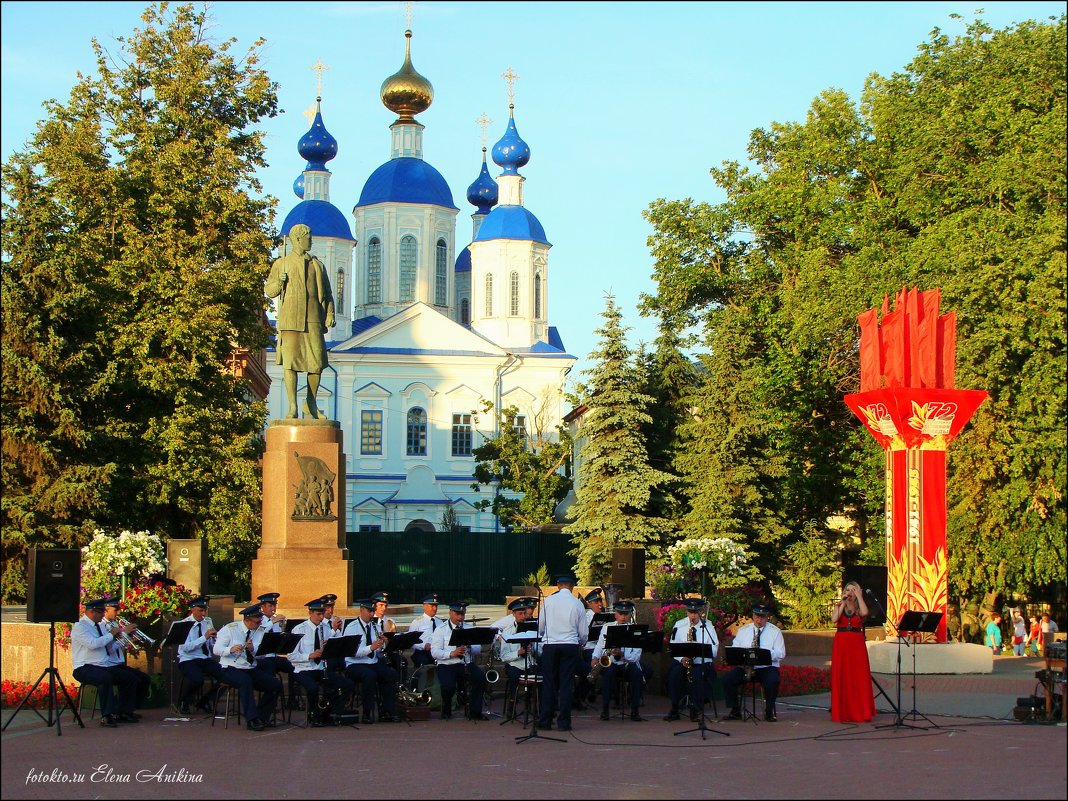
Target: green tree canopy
{"points": [[949, 174], [135, 244]]}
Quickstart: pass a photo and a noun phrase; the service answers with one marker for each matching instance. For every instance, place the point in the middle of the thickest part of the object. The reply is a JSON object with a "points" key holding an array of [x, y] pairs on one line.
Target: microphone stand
{"points": [[537, 705], [699, 677], [899, 721]]}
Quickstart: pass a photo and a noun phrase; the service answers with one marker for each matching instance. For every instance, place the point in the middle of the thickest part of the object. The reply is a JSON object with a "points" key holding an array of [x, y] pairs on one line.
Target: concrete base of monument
{"points": [[942, 657], [301, 575]]}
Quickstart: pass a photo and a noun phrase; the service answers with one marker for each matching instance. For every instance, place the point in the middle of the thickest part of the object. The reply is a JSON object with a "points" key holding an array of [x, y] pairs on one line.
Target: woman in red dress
{"points": [[852, 700]]}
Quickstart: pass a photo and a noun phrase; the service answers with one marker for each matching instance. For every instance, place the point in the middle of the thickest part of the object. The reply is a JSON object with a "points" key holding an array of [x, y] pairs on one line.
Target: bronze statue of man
{"points": [[305, 314]]}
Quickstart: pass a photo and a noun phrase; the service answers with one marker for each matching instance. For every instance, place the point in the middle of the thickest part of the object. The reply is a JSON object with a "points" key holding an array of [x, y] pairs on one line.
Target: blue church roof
{"points": [[406, 180], [511, 222], [463, 261], [322, 216]]}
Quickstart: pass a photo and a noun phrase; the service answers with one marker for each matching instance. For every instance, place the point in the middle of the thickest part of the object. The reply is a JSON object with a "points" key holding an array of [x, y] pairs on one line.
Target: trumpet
{"points": [[408, 697], [135, 641]]}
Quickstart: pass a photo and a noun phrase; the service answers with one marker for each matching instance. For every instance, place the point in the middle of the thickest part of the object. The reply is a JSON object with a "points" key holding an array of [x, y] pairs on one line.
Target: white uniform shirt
{"points": [[426, 624], [299, 657], [770, 638], [440, 648], [194, 645], [703, 633], [266, 624], [562, 620], [369, 633], [510, 651], [630, 655], [235, 634], [87, 647]]}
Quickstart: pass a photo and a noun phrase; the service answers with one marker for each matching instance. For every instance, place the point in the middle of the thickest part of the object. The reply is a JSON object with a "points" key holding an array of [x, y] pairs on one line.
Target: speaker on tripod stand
{"points": [[52, 597]]}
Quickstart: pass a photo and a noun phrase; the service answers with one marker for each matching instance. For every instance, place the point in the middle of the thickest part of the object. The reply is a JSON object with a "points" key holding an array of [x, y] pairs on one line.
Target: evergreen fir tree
{"points": [[616, 482]]}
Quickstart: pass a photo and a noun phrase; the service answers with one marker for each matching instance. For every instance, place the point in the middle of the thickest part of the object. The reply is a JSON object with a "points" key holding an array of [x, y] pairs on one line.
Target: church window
{"points": [[513, 288], [374, 270], [339, 299], [441, 273], [465, 312], [489, 295], [371, 432], [407, 268], [416, 432], [537, 296], [462, 435], [368, 528], [519, 426]]}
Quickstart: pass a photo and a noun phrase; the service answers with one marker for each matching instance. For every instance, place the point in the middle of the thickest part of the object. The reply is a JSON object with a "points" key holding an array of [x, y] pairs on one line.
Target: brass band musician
{"points": [[585, 690], [194, 657], [427, 623], [456, 666], [310, 669], [513, 655], [236, 645], [369, 669], [624, 663], [698, 674]]}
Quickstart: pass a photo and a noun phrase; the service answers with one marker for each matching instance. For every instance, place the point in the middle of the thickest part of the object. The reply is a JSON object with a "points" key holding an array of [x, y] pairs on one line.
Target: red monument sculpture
{"points": [[908, 402]]}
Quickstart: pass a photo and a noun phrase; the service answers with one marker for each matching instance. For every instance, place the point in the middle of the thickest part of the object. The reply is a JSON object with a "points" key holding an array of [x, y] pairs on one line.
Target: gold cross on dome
{"points": [[485, 122], [408, 15], [319, 67], [310, 113], [511, 77]]}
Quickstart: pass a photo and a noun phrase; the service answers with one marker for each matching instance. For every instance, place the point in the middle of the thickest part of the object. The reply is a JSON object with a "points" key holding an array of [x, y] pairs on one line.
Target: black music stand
{"points": [[54, 681], [177, 634], [695, 650], [627, 635], [292, 624], [278, 642], [915, 622], [896, 707], [341, 647], [401, 642], [474, 635], [526, 639], [750, 658]]}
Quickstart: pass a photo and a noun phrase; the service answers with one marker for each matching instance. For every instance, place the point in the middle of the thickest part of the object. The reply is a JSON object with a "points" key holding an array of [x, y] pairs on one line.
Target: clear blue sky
{"points": [[621, 103]]}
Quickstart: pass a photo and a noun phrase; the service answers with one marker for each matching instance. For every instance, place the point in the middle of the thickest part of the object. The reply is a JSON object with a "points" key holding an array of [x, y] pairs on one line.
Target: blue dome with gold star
{"points": [[317, 145], [511, 152]]}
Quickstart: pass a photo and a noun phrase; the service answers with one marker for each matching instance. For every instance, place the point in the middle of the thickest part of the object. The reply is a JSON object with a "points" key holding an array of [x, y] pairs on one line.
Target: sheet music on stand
{"points": [[528, 625], [747, 657], [277, 642], [919, 622], [625, 636], [401, 642], [178, 633], [339, 647], [476, 635], [652, 642]]}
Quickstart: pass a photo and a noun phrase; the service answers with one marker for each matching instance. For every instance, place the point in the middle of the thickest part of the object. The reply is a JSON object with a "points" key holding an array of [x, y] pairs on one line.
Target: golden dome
{"points": [[406, 92]]}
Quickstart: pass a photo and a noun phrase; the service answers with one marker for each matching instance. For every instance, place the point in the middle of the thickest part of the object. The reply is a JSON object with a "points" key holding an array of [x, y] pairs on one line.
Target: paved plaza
{"points": [[976, 751]]}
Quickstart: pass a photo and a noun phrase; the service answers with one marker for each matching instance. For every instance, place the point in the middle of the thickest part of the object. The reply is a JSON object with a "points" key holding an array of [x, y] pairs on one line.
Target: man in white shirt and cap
{"points": [[236, 646], [427, 623], [310, 669], [91, 658], [563, 631], [194, 657], [758, 634]]}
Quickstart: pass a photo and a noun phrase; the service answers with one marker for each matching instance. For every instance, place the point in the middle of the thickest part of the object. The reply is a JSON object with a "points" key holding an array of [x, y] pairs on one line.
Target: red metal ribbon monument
{"points": [[909, 404]]}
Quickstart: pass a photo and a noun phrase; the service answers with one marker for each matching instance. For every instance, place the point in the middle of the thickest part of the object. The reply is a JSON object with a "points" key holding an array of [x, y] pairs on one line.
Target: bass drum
{"points": [[426, 679]]}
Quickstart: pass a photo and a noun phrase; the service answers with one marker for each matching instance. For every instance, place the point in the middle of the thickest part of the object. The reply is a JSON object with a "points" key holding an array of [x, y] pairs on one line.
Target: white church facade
{"points": [[427, 332]]}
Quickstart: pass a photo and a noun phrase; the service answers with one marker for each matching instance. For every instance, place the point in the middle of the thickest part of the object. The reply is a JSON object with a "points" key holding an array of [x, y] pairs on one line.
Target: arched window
{"points": [[339, 295], [537, 296], [489, 295], [374, 270], [465, 312], [513, 291], [416, 432], [441, 273], [408, 258]]}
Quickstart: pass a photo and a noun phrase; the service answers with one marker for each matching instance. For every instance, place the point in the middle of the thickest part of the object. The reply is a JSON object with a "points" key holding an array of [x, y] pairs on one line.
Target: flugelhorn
{"points": [[136, 640]]}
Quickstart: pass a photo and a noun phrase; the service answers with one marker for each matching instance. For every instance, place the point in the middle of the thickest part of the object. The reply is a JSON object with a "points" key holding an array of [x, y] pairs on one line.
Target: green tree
{"points": [[528, 469], [949, 174], [616, 485], [134, 250]]}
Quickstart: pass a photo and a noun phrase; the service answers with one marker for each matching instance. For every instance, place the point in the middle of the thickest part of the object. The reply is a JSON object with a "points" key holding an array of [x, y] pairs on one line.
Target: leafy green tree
{"points": [[949, 174], [135, 245], [529, 469], [810, 579], [617, 485]]}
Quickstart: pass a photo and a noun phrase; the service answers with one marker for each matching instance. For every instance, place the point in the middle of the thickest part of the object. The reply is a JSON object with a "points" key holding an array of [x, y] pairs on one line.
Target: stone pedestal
{"points": [[303, 555]]}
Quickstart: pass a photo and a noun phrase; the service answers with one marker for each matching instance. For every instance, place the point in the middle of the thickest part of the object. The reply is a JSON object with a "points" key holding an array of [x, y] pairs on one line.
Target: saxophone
{"points": [[687, 662]]}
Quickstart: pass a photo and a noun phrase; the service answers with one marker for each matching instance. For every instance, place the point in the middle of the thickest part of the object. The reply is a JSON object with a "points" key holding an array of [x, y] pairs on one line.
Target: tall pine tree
{"points": [[135, 244], [617, 485]]}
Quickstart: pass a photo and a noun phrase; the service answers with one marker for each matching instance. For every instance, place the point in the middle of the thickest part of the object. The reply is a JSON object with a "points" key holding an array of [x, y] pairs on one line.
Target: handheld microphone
{"points": [[867, 592]]}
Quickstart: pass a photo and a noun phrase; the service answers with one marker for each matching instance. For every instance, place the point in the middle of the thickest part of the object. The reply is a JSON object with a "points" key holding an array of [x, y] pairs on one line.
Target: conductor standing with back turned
{"points": [[562, 628]]}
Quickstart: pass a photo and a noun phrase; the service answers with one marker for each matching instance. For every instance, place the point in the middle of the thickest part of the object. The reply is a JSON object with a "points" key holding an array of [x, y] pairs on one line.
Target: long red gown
{"points": [[852, 698]]}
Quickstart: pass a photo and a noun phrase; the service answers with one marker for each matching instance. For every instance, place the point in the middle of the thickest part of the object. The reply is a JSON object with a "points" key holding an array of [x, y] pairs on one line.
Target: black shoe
{"points": [[128, 717], [736, 714], [672, 715], [367, 719], [604, 713], [183, 708], [256, 725], [478, 716], [636, 717], [109, 721], [770, 716]]}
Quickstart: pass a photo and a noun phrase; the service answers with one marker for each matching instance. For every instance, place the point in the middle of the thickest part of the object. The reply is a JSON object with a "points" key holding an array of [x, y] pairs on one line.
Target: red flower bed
{"points": [[12, 693], [796, 680]]}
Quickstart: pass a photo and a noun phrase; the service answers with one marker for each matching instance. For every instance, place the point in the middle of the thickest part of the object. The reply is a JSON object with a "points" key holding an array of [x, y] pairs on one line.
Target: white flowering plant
{"points": [[720, 561], [109, 558]]}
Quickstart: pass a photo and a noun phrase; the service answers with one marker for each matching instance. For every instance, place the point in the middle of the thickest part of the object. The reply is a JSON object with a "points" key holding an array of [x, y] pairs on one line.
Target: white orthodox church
{"points": [[427, 330]]}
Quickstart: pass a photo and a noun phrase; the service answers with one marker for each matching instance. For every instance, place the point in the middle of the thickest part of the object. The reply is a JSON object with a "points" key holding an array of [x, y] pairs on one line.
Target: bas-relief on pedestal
{"points": [[303, 555]]}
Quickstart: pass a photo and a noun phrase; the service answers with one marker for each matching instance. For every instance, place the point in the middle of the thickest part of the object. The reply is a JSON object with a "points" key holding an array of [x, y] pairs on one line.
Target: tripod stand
{"points": [[53, 698], [911, 622], [695, 650], [896, 707]]}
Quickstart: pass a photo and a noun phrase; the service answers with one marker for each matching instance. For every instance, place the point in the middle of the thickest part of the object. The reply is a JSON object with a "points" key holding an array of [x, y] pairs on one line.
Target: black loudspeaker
{"points": [[55, 576], [628, 570], [870, 577], [186, 564]]}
